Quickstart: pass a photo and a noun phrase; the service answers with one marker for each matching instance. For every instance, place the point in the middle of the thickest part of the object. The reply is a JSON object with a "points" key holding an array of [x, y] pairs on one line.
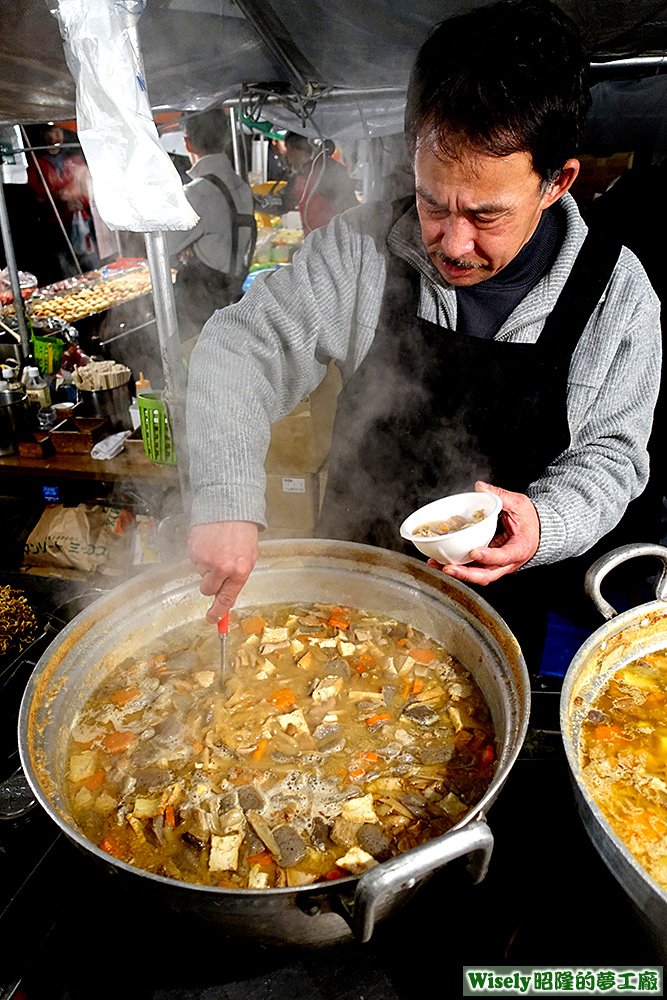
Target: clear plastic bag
{"points": [[137, 187]]}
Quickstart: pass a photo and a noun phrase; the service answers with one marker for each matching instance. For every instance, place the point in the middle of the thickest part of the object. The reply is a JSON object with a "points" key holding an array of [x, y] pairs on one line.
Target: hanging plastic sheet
{"points": [[137, 187]]}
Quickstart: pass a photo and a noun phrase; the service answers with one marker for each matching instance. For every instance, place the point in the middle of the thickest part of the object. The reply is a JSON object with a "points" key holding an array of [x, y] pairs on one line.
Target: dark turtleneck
{"points": [[482, 309]]}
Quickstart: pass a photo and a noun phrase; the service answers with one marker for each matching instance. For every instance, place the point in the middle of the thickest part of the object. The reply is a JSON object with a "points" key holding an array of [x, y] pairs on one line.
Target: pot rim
{"points": [[572, 686], [418, 569]]}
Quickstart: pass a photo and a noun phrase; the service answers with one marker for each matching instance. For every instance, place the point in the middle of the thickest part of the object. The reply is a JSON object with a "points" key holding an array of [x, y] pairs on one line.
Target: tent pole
{"points": [[170, 350], [13, 272]]}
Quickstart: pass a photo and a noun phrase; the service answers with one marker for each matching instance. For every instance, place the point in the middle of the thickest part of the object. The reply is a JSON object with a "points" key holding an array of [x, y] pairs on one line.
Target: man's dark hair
{"points": [[293, 140], [208, 132], [502, 79]]}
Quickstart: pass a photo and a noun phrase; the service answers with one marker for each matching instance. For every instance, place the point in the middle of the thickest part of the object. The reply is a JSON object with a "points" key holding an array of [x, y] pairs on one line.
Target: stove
{"points": [[71, 931]]}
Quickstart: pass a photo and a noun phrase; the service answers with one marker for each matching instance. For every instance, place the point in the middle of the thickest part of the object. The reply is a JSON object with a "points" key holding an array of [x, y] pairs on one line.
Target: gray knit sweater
{"points": [[255, 360]]}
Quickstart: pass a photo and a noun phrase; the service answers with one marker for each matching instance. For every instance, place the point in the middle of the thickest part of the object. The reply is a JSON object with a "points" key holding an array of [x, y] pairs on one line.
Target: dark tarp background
{"points": [[199, 52]]}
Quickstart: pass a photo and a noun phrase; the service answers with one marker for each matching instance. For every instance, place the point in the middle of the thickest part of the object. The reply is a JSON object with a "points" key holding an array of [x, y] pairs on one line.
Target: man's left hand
{"points": [[510, 549]]}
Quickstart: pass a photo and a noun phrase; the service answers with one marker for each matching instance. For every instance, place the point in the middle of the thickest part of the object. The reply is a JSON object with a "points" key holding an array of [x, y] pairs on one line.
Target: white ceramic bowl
{"points": [[456, 546]]}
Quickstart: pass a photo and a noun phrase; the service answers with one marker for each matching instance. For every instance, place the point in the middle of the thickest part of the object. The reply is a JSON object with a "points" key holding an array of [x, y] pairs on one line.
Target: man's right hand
{"points": [[223, 554]]}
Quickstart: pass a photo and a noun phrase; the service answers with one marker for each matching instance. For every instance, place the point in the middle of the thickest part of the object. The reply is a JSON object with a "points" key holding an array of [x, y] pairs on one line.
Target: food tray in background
{"points": [[91, 296]]}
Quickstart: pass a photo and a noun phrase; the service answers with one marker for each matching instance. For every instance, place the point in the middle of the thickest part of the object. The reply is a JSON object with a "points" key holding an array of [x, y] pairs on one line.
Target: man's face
{"points": [[53, 138], [477, 211]]}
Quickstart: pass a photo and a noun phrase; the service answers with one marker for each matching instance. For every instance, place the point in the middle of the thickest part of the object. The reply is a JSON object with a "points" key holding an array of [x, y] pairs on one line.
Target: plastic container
{"points": [[37, 389], [48, 352], [155, 430]]}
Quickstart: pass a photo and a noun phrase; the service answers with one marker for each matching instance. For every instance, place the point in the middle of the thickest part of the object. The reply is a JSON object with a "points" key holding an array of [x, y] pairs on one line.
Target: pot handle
{"points": [[377, 885], [604, 564]]}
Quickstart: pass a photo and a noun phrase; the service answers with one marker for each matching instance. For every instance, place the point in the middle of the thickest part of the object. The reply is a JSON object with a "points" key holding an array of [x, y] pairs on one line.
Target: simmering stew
{"points": [[624, 745], [341, 739]]}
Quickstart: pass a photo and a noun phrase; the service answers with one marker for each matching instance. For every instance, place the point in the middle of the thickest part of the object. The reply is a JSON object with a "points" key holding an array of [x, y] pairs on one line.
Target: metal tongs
{"points": [[223, 629]]}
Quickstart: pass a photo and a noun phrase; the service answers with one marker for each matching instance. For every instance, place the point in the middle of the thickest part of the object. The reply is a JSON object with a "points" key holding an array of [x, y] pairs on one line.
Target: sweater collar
{"points": [[405, 241]]}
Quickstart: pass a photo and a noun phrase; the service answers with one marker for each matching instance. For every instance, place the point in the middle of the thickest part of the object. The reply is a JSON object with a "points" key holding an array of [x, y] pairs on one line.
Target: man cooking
{"points": [[480, 334]]}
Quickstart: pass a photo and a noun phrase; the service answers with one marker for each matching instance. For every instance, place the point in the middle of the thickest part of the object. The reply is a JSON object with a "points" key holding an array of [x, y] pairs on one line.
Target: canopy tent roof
{"points": [[356, 53]]}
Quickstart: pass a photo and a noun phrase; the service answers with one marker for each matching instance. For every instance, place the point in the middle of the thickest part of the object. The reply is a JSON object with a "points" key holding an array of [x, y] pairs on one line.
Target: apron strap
{"points": [[239, 221], [583, 289]]}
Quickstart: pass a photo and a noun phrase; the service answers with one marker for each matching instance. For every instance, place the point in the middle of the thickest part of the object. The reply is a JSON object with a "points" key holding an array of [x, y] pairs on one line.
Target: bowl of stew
{"points": [[448, 529]]}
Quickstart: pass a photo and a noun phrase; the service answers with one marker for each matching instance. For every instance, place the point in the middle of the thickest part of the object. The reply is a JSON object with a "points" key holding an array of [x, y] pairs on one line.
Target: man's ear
{"points": [[187, 143], [563, 183]]}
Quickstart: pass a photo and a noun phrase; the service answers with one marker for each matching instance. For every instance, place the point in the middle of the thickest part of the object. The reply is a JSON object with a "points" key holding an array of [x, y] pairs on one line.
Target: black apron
{"points": [[430, 410], [200, 289]]}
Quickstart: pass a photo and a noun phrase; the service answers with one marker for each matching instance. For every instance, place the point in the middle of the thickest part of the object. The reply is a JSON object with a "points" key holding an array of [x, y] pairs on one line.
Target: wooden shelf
{"points": [[131, 465]]}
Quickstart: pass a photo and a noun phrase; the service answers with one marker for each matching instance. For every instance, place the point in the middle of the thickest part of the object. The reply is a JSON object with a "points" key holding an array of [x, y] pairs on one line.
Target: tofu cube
{"points": [[296, 719], [360, 810], [224, 854], [327, 688], [356, 861]]}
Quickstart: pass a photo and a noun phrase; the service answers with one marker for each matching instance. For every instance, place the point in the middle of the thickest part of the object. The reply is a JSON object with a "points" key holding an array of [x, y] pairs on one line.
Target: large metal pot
{"points": [[622, 639], [301, 571]]}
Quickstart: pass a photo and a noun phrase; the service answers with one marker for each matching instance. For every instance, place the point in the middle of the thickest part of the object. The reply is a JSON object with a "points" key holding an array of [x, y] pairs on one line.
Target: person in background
{"points": [[317, 184], [214, 256], [67, 178], [483, 335]]}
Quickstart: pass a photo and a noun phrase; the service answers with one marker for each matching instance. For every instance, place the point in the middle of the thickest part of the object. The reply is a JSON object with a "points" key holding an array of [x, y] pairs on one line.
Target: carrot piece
{"points": [[422, 655], [95, 780], [656, 696], [488, 755], [644, 825], [169, 817], [363, 663], [123, 695], [282, 698], [116, 742], [371, 756], [382, 717], [356, 772], [254, 625], [334, 874], [197, 747], [417, 686], [264, 858], [401, 642], [109, 845], [610, 734], [339, 618], [261, 747]]}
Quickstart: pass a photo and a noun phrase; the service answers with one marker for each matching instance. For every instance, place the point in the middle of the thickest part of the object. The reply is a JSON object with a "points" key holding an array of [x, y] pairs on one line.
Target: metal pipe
{"points": [[13, 274], [633, 63], [235, 139], [170, 349]]}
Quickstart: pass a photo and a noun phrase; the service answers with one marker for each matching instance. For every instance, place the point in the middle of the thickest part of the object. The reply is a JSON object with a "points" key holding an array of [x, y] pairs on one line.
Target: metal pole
{"points": [[170, 350], [13, 273], [235, 140]]}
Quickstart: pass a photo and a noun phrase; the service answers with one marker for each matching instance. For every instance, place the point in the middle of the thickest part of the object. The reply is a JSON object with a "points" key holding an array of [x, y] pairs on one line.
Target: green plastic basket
{"points": [[48, 352], [155, 430]]}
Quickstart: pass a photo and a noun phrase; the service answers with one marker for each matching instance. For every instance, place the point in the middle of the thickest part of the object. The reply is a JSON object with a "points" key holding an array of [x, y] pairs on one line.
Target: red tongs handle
{"points": [[223, 624]]}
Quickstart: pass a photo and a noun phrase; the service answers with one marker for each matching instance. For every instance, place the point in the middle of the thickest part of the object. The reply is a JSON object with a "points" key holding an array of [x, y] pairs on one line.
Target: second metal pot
{"points": [[614, 645]]}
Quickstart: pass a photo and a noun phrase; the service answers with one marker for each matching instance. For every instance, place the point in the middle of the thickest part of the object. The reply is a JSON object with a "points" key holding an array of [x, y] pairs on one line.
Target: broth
{"points": [[624, 748], [433, 529], [342, 739]]}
